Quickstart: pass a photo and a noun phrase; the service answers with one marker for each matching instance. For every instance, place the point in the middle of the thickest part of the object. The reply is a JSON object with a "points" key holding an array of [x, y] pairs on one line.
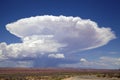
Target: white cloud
{"points": [[110, 60], [83, 60], [75, 33], [53, 34], [30, 47], [56, 56]]}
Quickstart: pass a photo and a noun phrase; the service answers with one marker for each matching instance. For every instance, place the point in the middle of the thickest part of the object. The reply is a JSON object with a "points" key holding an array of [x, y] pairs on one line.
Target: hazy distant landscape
{"points": [[58, 74]]}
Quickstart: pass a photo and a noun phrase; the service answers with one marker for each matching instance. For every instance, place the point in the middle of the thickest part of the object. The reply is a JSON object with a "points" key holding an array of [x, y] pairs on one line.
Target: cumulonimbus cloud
{"points": [[83, 33], [54, 34]]}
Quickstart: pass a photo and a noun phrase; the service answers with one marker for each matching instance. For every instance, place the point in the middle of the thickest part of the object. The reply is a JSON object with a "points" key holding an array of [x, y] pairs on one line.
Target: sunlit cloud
{"points": [[83, 60], [56, 56], [50, 35]]}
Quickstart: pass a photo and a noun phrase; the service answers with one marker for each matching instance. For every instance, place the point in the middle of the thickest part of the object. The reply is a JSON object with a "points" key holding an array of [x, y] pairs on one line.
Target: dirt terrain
{"points": [[58, 74], [92, 77]]}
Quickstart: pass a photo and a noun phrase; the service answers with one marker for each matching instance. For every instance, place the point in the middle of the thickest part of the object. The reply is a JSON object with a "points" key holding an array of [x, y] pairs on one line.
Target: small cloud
{"points": [[83, 60], [56, 56]]}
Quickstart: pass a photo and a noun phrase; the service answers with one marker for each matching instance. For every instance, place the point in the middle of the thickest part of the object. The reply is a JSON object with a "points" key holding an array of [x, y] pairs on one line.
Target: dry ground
{"points": [[92, 77], [58, 74]]}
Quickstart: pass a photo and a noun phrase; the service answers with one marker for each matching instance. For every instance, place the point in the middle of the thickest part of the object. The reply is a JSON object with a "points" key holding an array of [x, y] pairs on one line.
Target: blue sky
{"points": [[105, 13]]}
